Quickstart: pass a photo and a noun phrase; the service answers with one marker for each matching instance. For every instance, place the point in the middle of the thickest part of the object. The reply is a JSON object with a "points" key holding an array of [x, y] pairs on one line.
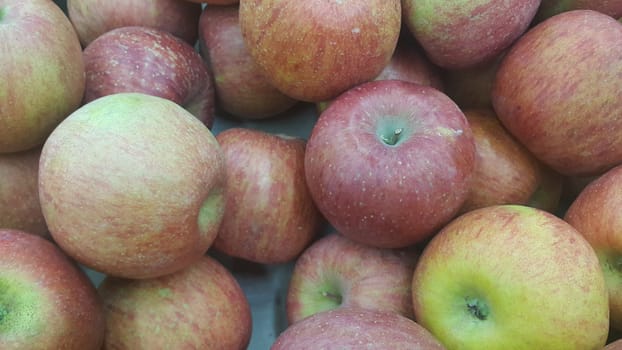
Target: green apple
{"points": [[511, 277]]}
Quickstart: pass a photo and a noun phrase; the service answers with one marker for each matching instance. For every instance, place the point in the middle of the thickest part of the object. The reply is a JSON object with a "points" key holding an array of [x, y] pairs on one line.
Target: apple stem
{"points": [[336, 297], [393, 138], [477, 308]]}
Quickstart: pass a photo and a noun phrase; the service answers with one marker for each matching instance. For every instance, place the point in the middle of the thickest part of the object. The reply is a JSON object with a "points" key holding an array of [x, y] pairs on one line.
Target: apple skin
{"points": [[550, 8], [557, 91], [147, 186], [242, 90], [199, 307], [151, 61], [505, 172], [314, 51], [42, 70], [593, 213], [389, 162], [462, 34], [92, 18], [337, 272], [19, 192], [47, 301], [614, 345], [270, 217], [356, 328], [215, 2], [500, 271]]}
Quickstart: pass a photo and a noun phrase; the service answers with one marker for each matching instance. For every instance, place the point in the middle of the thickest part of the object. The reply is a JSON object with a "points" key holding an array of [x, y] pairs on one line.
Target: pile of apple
{"points": [[458, 188]]}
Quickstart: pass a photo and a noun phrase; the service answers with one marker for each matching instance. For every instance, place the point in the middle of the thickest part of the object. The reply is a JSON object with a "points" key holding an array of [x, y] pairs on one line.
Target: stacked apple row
{"points": [[451, 162]]}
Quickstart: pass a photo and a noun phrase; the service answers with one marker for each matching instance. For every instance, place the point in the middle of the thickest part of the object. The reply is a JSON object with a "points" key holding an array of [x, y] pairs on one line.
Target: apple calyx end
{"points": [[477, 308]]}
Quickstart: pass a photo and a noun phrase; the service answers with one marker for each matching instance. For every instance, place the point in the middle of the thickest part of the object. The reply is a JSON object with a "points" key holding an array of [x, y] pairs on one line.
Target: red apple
{"points": [[215, 2], [313, 51], [336, 272], [199, 307], [462, 34], [46, 301], [92, 18], [505, 171], [511, 277], [614, 345], [132, 185], [389, 162], [19, 192], [270, 216], [42, 72], [356, 328], [595, 213], [549, 8], [242, 90], [558, 92], [151, 61], [548, 194]]}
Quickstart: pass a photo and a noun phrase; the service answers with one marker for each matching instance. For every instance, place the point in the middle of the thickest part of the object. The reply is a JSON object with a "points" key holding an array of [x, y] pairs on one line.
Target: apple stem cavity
{"points": [[336, 298], [392, 138], [477, 308]]}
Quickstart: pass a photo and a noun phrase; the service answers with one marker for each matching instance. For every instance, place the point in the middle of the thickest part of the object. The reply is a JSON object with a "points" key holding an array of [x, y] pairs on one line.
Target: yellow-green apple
{"points": [[549, 8], [19, 192], [46, 300], [92, 18], [511, 277], [557, 90], [356, 328], [462, 34], [199, 307], [132, 185], [389, 162], [593, 214], [269, 216], [42, 72], [548, 194], [337, 272], [242, 89], [505, 171], [315, 50], [151, 61]]}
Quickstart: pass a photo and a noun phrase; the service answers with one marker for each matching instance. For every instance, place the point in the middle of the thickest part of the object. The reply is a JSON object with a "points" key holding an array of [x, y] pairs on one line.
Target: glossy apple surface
{"points": [[199, 307], [313, 51], [504, 270], [389, 162], [46, 301], [146, 186], [269, 216], [42, 72], [557, 91], [150, 61], [337, 272]]}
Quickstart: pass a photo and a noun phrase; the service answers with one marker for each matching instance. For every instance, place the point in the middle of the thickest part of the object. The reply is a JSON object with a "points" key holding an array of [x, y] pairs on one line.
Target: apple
{"points": [[593, 213], [132, 185], [19, 193], [463, 34], [216, 2], [471, 88], [336, 272], [356, 328], [242, 90], [269, 216], [199, 307], [549, 8], [389, 162], [614, 345], [42, 72], [557, 91], [46, 301], [92, 18], [313, 51], [511, 277], [505, 171], [151, 61], [548, 194]]}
